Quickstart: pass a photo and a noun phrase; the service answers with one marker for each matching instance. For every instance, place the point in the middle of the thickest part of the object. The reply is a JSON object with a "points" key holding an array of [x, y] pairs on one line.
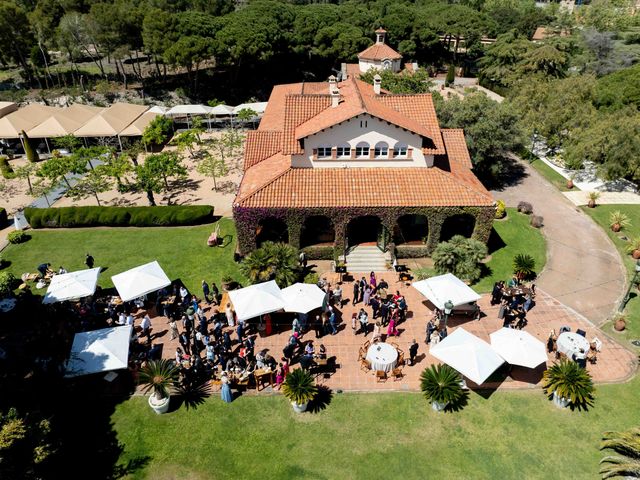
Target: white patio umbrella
{"points": [[302, 297], [518, 347], [471, 356], [72, 285], [445, 288], [256, 300], [99, 351], [140, 280]]}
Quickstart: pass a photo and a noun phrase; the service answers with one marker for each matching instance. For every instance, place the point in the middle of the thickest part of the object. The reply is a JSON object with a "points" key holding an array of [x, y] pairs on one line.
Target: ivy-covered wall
{"points": [[247, 221]]}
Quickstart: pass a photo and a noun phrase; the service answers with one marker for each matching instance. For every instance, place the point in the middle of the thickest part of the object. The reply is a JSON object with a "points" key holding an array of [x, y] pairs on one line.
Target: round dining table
{"points": [[571, 343], [382, 356], [8, 304]]}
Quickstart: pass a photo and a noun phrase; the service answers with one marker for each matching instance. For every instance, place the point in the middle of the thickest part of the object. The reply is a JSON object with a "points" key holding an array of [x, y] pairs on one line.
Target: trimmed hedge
{"points": [[412, 251], [4, 219], [324, 252], [70, 217]]}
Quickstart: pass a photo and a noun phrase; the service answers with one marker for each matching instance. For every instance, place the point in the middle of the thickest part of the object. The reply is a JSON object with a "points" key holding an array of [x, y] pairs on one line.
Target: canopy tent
{"points": [[472, 357], [302, 297], [445, 288], [24, 119], [222, 110], [99, 351], [7, 107], [140, 280], [111, 121], [184, 110], [256, 300], [136, 129], [64, 121], [258, 107], [72, 285], [158, 109], [518, 347]]}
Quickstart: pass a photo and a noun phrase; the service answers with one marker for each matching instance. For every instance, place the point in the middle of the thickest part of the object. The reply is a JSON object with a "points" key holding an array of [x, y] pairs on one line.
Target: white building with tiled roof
{"points": [[380, 55], [335, 164]]}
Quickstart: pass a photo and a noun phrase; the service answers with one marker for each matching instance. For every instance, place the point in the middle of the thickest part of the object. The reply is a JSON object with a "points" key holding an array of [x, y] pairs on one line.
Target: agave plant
{"points": [[441, 384], [158, 376], [633, 247], [627, 445], [618, 221], [593, 196], [524, 265], [568, 380], [299, 387]]}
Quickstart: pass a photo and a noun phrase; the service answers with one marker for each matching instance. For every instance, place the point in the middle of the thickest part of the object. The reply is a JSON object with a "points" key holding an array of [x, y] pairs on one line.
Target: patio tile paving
{"points": [[615, 363]]}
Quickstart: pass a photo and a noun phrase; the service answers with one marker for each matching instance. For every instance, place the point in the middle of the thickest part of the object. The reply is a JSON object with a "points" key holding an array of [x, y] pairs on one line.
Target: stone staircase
{"points": [[364, 258]]}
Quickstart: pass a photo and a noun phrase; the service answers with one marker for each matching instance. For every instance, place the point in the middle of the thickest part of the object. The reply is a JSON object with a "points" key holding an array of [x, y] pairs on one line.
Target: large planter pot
{"points": [[569, 184], [591, 204], [437, 406], [159, 407], [636, 254], [616, 227], [559, 401], [620, 325], [299, 407]]}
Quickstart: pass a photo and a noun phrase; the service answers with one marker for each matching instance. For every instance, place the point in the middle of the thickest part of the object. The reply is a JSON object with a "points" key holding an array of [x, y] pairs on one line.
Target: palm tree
{"points": [[158, 376], [627, 445], [441, 384], [567, 380], [299, 388], [272, 261], [524, 265]]}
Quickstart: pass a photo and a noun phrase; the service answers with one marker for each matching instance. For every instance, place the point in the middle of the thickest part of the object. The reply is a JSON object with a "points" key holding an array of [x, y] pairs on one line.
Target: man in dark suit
{"points": [[356, 292], [413, 351]]}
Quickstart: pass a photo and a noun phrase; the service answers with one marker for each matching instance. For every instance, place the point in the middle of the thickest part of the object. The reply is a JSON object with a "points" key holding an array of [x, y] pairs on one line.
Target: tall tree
{"points": [[213, 167], [94, 182], [166, 165], [16, 38]]}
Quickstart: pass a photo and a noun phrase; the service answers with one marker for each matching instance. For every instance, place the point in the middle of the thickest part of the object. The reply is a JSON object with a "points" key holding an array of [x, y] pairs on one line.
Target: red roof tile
{"points": [[370, 187], [379, 51], [261, 144]]}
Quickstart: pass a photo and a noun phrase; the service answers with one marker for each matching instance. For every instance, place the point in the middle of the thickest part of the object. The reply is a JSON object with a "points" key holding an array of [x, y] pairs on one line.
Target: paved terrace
{"points": [[615, 363]]}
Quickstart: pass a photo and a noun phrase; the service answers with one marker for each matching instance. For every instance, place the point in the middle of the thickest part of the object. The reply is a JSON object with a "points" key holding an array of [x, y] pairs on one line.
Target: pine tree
{"points": [[32, 155]]}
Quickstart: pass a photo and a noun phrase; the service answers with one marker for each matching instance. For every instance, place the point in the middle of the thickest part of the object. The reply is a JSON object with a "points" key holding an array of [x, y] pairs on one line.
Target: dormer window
{"points": [[343, 151], [400, 150], [362, 150], [324, 152], [381, 150]]}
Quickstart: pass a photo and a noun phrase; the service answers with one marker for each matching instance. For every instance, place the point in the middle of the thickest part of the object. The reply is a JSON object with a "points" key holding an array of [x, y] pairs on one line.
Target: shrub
{"points": [[311, 278], [412, 251], [568, 380], [70, 217], [17, 237], [422, 273], [299, 387], [3, 217], [618, 221], [460, 256], [525, 207], [524, 265], [451, 76], [441, 384], [5, 168], [7, 283], [536, 221], [32, 155], [319, 252], [501, 209]]}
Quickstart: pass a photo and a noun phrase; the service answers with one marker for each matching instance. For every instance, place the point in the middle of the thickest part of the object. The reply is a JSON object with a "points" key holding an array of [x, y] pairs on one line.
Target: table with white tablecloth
{"points": [[382, 357], [571, 343]]}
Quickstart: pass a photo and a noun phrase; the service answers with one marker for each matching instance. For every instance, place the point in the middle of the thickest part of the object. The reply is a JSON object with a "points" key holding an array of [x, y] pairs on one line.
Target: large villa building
{"points": [[341, 163]]}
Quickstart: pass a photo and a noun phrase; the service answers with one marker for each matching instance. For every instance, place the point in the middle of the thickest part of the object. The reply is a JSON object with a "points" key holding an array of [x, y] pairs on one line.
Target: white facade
{"points": [[386, 64], [363, 141]]}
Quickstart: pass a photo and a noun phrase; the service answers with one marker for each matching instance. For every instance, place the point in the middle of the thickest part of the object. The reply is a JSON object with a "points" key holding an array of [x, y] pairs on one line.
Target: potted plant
{"points": [[593, 196], [633, 247], [618, 221], [227, 283], [341, 266], [158, 376], [524, 266], [570, 183], [619, 322], [442, 386], [501, 210], [568, 383], [299, 388]]}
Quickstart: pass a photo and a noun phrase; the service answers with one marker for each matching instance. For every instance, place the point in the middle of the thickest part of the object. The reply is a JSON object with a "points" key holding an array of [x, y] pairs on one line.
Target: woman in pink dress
{"points": [[391, 329], [372, 281], [279, 376]]}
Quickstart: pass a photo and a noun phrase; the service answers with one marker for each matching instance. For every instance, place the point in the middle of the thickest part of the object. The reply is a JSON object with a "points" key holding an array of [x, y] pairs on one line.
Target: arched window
{"points": [[386, 64], [381, 150], [324, 151], [362, 150], [400, 150], [343, 151]]}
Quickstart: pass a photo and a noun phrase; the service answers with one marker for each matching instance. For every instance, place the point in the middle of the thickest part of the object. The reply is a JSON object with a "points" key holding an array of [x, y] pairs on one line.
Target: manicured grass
{"points": [[510, 435], [551, 175], [513, 235], [600, 214], [181, 251]]}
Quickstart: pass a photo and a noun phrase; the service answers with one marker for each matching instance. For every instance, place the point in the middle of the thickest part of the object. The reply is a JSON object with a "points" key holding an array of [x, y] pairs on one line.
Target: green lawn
{"points": [[601, 216], [181, 251], [517, 435], [551, 175], [514, 236]]}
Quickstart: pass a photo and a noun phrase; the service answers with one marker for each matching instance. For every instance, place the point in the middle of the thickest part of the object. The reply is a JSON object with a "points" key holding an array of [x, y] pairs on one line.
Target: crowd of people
{"points": [[515, 301]]}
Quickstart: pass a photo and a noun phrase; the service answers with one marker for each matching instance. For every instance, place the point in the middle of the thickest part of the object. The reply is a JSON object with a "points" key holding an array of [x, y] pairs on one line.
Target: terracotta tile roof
{"points": [[456, 145], [363, 187], [273, 117], [262, 174], [379, 51], [297, 110], [261, 144]]}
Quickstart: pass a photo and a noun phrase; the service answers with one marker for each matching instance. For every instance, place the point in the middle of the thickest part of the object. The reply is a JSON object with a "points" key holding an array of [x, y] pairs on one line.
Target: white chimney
{"points": [[377, 82], [334, 91]]}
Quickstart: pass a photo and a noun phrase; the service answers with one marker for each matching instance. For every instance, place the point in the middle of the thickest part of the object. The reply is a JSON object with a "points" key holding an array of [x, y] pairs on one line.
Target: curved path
{"points": [[584, 270]]}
